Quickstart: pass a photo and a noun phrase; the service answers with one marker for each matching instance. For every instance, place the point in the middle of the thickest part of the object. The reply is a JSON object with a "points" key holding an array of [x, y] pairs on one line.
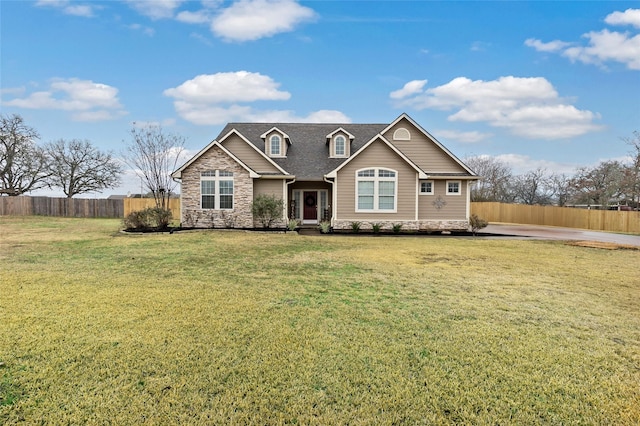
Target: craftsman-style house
{"points": [[387, 174]]}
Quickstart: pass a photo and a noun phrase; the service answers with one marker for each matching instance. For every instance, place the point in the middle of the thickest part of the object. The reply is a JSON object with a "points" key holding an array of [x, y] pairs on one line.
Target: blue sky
{"points": [[536, 84]]}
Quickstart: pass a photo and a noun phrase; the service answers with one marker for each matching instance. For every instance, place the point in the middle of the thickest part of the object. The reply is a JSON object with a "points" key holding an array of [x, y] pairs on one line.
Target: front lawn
{"points": [[218, 327]]}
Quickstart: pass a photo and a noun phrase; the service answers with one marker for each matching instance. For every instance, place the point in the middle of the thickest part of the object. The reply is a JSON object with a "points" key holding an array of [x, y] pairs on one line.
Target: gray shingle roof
{"points": [[308, 155]]}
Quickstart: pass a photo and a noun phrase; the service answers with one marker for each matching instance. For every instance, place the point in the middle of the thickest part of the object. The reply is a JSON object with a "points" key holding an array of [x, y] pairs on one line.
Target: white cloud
{"points": [[411, 88], [608, 46], [603, 46], [85, 10], [88, 101], [326, 116], [464, 137], [156, 9], [521, 164], [628, 17], [199, 17], [218, 98], [229, 87], [254, 19], [527, 107], [552, 46]]}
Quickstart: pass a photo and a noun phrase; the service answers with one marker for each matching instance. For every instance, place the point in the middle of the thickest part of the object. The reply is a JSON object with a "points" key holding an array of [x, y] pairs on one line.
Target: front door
{"points": [[310, 202]]}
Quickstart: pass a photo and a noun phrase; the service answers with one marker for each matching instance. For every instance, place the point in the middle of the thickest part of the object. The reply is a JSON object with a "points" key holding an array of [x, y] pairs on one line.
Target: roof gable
{"points": [[178, 173], [419, 128], [379, 137], [340, 130], [275, 129], [252, 146]]}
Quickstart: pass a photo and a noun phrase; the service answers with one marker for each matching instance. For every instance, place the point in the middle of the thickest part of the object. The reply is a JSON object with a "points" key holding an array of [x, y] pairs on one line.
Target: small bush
{"points": [[136, 220], [293, 224], [376, 228], [267, 209], [476, 223], [355, 227], [325, 226], [397, 227], [149, 218]]}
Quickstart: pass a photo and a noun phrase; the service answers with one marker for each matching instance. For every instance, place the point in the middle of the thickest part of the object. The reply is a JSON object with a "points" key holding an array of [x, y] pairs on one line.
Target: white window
{"points": [[216, 189], [453, 187], [426, 187], [376, 190], [340, 146], [275, 142]]}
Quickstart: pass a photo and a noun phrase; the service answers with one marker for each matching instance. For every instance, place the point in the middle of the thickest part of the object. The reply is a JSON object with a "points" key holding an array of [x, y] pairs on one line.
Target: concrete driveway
{"points": [[557, 233]]}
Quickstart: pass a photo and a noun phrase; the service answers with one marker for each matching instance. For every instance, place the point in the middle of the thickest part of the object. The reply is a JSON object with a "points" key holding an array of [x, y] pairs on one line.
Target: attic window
{"points": [[274, 145], [340, 146], [401, 134]]}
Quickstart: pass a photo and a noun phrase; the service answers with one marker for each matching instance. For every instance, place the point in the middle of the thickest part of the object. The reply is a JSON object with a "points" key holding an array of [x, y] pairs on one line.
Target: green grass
{"points": [[220, 327]]}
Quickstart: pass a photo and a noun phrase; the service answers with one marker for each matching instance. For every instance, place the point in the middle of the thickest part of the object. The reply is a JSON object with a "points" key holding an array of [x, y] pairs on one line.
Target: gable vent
{"points": [[401, 134]]}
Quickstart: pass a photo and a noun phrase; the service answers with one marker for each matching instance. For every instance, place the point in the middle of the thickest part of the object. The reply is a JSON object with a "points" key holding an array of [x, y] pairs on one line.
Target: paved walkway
{"points": [[557, 233]]}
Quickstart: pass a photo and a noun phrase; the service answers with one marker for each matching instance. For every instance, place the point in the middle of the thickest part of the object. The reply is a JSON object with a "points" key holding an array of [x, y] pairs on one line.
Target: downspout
{"points": [[286, 201], [333, 198]]}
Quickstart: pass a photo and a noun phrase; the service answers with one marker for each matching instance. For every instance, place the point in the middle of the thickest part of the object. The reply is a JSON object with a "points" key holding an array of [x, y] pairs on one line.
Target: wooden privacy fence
{"points": [[597, 220], [69, 207], [136, 204]]}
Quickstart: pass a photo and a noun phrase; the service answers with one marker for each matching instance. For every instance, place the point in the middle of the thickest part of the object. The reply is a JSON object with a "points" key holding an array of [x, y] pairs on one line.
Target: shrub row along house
{"points": [[387, 174]]}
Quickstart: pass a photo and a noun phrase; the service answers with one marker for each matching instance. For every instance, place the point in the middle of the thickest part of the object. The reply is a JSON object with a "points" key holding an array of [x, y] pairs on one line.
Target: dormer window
{"points": [[339, 142], [340, 146], [275, 146]]}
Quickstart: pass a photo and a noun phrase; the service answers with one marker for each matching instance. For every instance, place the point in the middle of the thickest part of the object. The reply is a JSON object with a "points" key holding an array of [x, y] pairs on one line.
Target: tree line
{"points": [[609, 182], [78, 167]]}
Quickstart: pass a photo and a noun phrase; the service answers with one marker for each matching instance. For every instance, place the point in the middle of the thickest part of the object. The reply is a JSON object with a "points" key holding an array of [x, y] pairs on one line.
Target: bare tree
{"points": [[598, 185], [78, 167], [560, 186], [153, 155], [533, 187], [495, 178], [23, 165], [631, 181]]}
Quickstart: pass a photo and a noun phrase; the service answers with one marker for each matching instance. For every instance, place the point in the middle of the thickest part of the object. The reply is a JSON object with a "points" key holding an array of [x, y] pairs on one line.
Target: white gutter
{"points": [[334, 198]]}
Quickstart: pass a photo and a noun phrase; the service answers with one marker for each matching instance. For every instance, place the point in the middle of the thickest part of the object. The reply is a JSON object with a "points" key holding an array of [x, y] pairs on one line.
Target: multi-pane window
{"points": [[274, 145], [376, 190], [453, 187], [340, 146], [216, 189], [426, 187]]}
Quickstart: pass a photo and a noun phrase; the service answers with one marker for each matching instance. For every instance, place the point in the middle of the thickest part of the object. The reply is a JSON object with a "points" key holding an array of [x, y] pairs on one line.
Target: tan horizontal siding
{"points": [[268, 187], [454, 209], [377, 155], [248, 155], [425, 153]]}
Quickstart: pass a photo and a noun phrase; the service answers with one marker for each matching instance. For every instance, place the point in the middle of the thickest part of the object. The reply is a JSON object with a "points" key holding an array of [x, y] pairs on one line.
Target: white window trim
{"points": [[459, 187], [335, 153], [376, 196], [432, 192], [216, 200]]}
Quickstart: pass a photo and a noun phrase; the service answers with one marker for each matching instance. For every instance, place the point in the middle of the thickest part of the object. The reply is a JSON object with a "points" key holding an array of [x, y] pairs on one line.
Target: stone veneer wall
{"points": [[192, 215], [407, 225]]}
